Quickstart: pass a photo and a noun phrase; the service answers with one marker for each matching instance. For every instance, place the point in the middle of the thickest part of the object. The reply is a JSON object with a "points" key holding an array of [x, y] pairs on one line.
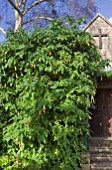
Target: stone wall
{"points": [[106, 28]]}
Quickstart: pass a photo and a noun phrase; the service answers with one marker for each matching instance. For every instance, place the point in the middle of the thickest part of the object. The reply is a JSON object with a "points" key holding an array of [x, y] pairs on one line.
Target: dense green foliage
{"points": [[47, 84], [109, 74]]}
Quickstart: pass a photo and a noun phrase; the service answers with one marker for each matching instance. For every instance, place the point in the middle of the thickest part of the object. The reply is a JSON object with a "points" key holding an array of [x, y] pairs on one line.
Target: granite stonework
{"points": [[101, 30], [99, 156]]}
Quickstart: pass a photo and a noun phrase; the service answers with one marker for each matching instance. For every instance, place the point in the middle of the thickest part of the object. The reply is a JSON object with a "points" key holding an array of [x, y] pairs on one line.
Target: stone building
{"points": [[101, 30], [100, 143]]}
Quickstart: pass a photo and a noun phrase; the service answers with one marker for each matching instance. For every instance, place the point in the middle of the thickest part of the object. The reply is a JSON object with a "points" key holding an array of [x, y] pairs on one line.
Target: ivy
{"points": [[47, 83]]}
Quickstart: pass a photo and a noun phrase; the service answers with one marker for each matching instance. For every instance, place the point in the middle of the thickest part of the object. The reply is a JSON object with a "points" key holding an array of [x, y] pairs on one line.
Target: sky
{"points": [[104, 8]]}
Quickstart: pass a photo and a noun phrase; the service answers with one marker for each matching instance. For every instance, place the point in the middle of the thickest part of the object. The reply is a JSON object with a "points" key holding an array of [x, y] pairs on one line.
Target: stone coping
{"points": [[100, 138]]}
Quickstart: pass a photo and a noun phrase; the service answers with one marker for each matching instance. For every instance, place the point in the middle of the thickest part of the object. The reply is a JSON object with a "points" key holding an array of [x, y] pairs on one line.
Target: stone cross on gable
{"points": [[100, 35], [101, 30]]}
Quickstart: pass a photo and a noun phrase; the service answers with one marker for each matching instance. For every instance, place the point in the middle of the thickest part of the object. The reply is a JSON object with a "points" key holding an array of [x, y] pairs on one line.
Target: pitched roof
{"points": [[93, 20]]}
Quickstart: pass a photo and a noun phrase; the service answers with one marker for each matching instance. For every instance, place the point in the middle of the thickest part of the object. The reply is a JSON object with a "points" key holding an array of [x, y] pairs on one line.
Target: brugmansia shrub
{"points": [[47, 83]]}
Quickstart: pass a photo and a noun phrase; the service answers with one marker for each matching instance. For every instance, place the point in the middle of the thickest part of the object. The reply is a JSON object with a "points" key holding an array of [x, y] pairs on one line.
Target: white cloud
{"points": [[110, 19]]}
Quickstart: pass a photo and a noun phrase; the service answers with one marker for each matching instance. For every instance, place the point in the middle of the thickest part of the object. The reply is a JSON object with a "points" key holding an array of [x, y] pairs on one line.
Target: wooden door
{"points": [[101, 122]]}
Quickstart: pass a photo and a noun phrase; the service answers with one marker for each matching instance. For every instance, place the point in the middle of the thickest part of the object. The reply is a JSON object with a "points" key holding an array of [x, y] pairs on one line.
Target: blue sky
{"points": [[105, 8]]}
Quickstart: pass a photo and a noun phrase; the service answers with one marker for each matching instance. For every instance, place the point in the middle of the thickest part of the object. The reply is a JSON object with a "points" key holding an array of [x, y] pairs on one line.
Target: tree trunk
{"points": [[18, 20]]}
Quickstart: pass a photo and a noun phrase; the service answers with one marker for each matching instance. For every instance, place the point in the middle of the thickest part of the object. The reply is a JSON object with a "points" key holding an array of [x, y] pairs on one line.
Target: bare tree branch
{"points": [[1, 29], [17, 3], [14, 6], [20, 3], [37, 18], [32, 5], [23, 5], [74, 8]]}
